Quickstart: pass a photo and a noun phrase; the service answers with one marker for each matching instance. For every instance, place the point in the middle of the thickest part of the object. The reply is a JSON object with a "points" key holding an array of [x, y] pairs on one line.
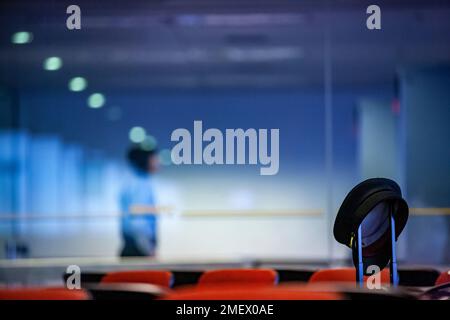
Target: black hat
{"points": [[368, 205]]}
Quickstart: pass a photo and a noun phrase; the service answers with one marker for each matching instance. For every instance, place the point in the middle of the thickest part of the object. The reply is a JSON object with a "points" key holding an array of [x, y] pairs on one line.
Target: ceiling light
{"points": [[22, 37], [77, 84], [137, 134], [96, 100], [52, 63], [165, 157], [149, 143]]}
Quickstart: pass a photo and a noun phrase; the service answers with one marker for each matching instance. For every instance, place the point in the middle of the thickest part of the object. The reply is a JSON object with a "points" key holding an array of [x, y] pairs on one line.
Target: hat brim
{"points": [[358, 205]]}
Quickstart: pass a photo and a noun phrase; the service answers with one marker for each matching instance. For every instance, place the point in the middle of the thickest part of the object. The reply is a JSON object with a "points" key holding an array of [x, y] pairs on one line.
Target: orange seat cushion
{"points": [[443, 278], [343, 275], [240, 292], [159, 278], [42, 294], [240, 276]]}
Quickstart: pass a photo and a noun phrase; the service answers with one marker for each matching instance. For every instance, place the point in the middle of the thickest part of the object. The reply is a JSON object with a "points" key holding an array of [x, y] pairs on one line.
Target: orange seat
{"points": [[250, 293], [159, 278], [443, 278], [239, 276], [343, 275], [42, 294]]}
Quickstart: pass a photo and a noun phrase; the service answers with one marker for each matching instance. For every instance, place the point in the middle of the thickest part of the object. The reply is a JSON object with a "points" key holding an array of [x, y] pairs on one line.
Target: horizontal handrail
{"points": [[145, 210], [159, 211]]}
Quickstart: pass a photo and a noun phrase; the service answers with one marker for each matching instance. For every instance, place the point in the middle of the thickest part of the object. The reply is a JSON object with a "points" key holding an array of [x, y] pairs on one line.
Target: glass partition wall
{"points": [[322, 101]]}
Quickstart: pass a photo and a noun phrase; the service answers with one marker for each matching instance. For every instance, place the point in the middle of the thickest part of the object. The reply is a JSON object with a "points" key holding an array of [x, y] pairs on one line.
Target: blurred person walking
{"points": [[139, 229]]}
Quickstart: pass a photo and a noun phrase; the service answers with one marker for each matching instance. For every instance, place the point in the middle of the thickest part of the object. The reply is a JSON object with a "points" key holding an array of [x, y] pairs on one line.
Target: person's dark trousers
{"points": [[131, 249]]}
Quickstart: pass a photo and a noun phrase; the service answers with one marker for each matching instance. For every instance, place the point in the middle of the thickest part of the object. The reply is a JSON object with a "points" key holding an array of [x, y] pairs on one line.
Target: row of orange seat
{"points": [[234, 284], [244, 276]]}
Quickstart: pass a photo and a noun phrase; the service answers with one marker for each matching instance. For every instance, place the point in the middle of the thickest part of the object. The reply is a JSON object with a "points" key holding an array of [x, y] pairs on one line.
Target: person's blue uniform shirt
{"points": [[138, 231]]}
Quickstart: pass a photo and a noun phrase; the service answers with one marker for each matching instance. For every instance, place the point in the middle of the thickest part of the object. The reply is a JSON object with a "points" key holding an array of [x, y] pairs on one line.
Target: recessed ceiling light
{"points": [[22, 37], [149, 143], [52, 63], [77, 84], [96, 100], [165, 157], [114, 113], [137, 134]]}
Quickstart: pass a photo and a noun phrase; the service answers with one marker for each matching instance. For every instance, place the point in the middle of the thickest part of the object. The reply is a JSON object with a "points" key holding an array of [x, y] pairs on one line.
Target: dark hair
{"points": [[138, 158]]}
